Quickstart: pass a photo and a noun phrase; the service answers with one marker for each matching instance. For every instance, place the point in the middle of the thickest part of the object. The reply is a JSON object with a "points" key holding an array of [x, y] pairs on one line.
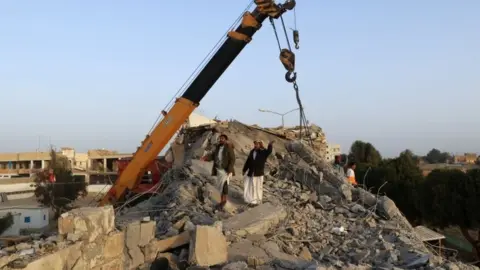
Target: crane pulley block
{"points": [[267, 7], [287, 58], [296, 39]]}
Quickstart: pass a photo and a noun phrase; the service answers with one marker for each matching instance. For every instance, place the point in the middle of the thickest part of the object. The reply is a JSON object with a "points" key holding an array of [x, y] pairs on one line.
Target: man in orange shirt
{"points": [[351, 173]]}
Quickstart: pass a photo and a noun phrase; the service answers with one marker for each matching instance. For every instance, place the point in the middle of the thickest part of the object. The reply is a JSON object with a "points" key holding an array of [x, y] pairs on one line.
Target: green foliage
{"points": [[6, 222], [66, 189], [436, 156], [454, 198], [399, 179], [362, 152], [443, 198]]}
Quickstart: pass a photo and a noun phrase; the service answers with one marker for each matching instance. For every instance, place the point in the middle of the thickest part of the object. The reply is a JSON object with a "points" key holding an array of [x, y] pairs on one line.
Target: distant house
{"points": [[459, 159], [470, 158], [467, 158], [428, 168], [25, 218], [332, 151]]}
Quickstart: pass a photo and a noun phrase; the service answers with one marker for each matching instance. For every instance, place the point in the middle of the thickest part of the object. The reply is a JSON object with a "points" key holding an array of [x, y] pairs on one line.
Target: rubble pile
{"points": [[311, 218], [317, 136], [86, 239], [22, 253]]}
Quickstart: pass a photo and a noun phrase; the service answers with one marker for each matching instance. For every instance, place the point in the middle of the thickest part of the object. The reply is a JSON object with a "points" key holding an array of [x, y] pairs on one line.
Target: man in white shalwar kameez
{"points": [[254, 170]]}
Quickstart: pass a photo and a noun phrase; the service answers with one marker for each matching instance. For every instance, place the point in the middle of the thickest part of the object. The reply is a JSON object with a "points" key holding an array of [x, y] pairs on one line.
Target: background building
{"points": [[99, 163], [332, 151], [468, 158], [25, 218]]}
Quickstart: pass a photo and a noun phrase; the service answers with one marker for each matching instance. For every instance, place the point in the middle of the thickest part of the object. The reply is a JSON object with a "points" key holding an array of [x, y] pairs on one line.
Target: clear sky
{"points": [[96, 74]]}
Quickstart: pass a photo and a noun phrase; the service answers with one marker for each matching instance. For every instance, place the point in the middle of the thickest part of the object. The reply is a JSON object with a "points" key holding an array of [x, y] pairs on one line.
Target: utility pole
{"points": [[281, 114]]}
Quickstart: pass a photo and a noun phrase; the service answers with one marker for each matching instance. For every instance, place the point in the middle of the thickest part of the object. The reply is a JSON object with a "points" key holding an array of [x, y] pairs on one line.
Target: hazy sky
{"points": [[96, 74]]}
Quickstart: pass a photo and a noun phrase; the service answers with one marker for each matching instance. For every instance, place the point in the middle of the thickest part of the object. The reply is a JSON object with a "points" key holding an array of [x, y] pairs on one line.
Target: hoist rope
{"points": [[303, 122], [276, 34], [200, 66], [295, 18], [285, 32]]}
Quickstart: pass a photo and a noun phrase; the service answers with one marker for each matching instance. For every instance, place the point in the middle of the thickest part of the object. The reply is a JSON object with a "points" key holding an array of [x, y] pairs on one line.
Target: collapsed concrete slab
{"points": [[312, 158], [207, 247], [257, 220]]}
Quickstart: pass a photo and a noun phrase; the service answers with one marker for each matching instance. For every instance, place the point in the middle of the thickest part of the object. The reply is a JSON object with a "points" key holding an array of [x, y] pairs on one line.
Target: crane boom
{"points": [[184, 106]]}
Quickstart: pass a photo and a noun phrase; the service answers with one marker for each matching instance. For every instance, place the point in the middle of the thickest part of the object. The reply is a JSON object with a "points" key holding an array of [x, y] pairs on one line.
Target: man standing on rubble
{"points": [[254, 169], [223, 166]]}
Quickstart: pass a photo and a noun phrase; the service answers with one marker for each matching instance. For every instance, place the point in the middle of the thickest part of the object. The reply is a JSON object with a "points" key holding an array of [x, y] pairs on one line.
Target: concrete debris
{"points": [[311, 218], [258, 220], [88, 223], [87, 239], [208, 247], [159, 246]]}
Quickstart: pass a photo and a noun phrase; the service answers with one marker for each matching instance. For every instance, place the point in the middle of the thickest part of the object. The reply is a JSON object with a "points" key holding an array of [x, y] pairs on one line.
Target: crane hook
{"points": [[296, 38], [291, 76]]}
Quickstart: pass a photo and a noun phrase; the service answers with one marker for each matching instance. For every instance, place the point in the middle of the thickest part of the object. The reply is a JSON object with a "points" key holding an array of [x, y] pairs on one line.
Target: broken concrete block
{"points": [[62, 259], [236, 266], [181, 223], [138, 234], [246, 251], [158, 246], [257, 220], [147, 232], [5, 260], [89, 222], [93, 253], [208, 247], [136, 256], [305, 254], [387, 208], [132, 234], [282, 259], [364, 196], [114, 245]]}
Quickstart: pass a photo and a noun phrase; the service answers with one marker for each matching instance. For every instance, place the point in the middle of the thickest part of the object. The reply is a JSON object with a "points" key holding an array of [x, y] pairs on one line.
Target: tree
{"points": [[56, 187], [362, 152], [436, 156], [6, 222], [398, 178], [452, 198]]}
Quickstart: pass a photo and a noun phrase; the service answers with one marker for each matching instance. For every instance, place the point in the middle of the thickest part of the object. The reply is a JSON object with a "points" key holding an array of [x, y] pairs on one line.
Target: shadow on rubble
{"points": [[160, 264]]}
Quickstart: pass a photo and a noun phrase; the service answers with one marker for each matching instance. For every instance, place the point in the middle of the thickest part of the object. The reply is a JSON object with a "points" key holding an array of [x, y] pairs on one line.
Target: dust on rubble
{"points": [[311, 217]]}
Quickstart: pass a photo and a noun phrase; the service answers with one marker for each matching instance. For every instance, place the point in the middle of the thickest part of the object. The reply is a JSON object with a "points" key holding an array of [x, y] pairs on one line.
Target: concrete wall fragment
{"points": [[98, 245]]}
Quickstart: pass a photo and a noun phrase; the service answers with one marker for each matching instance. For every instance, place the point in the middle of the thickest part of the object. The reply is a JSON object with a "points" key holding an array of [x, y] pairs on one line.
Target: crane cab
{"points": [[153, 174]]}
